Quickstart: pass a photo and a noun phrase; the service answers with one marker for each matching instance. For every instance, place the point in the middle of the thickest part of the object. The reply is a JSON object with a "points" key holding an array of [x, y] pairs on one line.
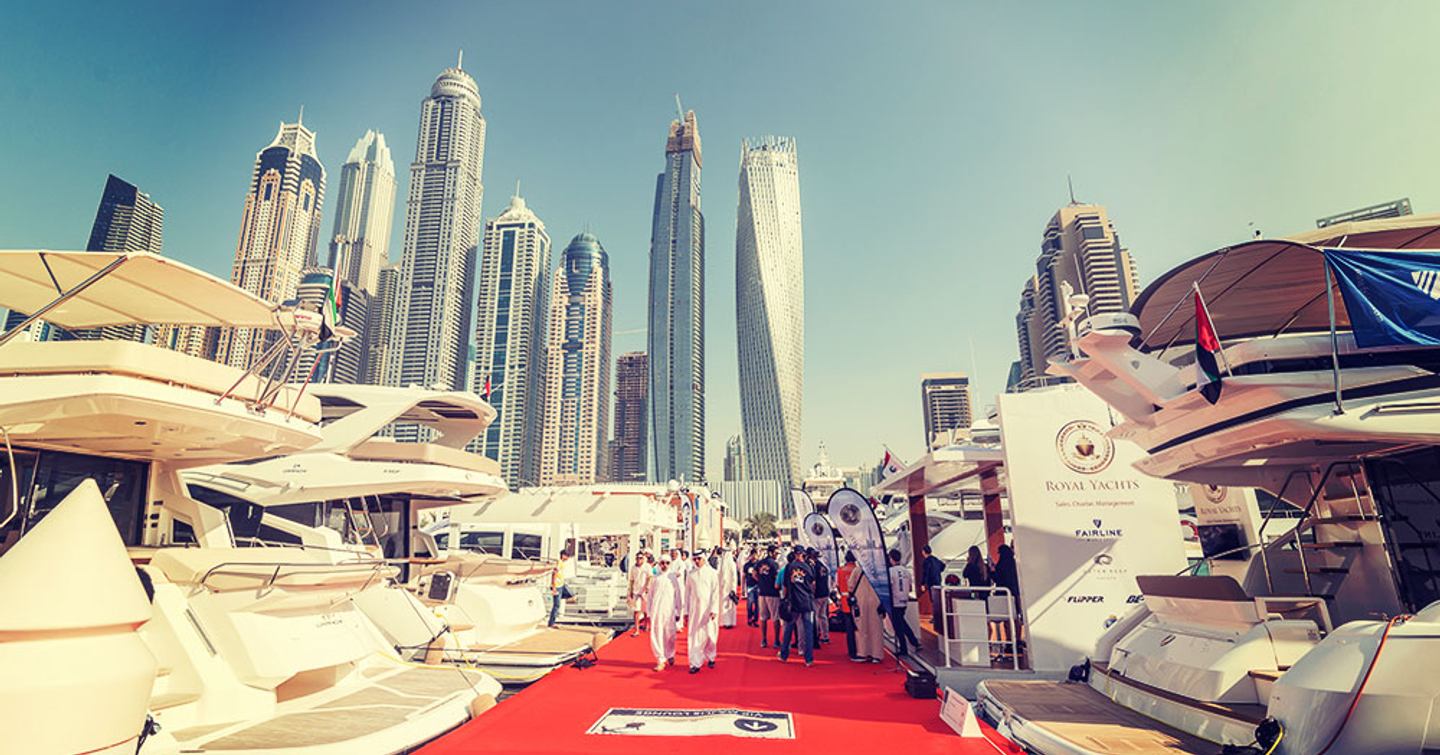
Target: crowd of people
{"points": [[801, 600], [680, 589]]}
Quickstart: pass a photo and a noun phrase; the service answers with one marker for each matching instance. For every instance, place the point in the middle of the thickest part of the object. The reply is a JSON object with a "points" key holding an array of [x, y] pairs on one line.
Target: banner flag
{"points": [[1393, 297], [804, 504], [860, 529], [687, 525], [816, 532]]}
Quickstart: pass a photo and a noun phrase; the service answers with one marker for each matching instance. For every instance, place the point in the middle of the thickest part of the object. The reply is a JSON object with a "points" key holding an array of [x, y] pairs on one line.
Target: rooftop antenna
{"points": [[517, 187], [1071, 184], [680, 111], [460, 60], [301, 120]]}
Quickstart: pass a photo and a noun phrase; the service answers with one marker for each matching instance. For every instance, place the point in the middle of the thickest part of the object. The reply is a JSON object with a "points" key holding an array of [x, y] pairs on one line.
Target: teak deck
{"points": [[1084, 717]]}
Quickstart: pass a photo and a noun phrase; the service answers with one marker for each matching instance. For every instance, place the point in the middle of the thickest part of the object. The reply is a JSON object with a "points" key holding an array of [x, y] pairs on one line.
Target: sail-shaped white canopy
{"points": [[139, 287]]}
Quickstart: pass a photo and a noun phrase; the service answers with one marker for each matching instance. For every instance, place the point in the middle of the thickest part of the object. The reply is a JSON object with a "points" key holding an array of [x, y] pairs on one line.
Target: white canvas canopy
{"points": [[592, 510], [136, 287]]}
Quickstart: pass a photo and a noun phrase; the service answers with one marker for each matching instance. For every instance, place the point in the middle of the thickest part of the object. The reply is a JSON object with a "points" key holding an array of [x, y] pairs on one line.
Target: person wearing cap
{"points": [[702, 591], [799, 595], [663, 602], [766, 574]]}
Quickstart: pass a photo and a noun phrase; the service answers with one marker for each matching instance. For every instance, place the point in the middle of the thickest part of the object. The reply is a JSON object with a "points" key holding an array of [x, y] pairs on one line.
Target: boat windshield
{"points": [[43, 479]]}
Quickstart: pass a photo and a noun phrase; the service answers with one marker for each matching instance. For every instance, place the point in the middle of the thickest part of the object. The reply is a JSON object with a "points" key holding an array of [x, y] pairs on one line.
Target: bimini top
{"points": [[1268, 287], [139, 287]]}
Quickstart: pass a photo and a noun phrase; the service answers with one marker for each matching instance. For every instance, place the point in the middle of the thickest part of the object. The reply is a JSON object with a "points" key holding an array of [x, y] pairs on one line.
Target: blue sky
{"points": [[934, 137]]}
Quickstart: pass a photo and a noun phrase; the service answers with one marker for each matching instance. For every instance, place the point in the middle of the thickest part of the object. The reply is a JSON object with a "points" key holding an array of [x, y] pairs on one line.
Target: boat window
{"points": [[390, 518], [527, 547], [244, 517], [1407, 489], [442, 540], [10, 506], [123, 484], [483, 542]]}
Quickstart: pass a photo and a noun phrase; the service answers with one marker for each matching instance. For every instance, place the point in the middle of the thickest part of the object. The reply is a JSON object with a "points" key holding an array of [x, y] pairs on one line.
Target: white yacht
{"points": [[1325, 639], [132, 605], [359, 492]]}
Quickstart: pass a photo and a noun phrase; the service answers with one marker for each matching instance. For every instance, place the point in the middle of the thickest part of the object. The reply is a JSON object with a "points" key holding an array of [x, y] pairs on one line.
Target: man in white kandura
{"points": [[702, 591], [640, 577], [679, 572], [729, 581], [664, 605]]}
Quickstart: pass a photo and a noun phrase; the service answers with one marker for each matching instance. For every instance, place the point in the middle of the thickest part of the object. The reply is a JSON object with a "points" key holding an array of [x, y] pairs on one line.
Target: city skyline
{"points": [[969, 201]]}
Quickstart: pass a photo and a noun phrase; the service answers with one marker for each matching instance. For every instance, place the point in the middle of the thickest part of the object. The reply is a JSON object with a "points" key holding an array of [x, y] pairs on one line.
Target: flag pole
{"points": [[1206, 307], [1334, 339]]}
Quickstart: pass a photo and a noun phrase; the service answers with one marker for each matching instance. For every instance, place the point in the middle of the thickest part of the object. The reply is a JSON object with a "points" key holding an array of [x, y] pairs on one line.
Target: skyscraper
{"points": [[734, 459], [510, 339], [677, 311], [577, 371], [365, 204], [279, 229], [442, 229], [628, 457], [126, 221], [314, 365], [1080, 248], [945, 404], [770, 308], [380, 325], [347, 363]]}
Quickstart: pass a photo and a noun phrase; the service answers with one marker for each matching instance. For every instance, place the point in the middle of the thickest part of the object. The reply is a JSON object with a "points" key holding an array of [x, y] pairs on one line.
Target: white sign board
{"points": [[670, 722], [1228, 522], [1086, 522], [956, 711]]}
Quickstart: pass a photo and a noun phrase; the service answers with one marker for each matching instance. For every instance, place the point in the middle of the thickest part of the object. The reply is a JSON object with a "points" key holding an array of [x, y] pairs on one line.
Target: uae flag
{"points": [[330, 313], [1207, 349]]}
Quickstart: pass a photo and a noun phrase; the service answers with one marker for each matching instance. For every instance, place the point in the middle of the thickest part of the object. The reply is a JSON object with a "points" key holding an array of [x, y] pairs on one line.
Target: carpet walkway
{"points": [[837, 705]]}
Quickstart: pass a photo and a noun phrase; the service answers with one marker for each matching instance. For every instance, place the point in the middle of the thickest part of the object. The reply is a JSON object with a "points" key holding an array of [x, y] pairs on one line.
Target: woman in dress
{"points": [[869, 630]]}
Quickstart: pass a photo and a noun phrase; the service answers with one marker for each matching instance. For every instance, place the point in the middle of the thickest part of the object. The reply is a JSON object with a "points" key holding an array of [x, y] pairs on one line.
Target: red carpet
{"points": [[837, 705]]}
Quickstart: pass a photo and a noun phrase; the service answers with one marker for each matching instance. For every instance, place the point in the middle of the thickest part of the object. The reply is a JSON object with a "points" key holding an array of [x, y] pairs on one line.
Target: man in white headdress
{"points": [[702, 590], [663, 602], [640, 576], [678, 570], [729, 582]]}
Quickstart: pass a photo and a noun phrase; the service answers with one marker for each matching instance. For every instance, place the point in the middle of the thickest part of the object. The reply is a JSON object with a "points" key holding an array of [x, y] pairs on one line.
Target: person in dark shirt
{"points": [[799, 596], [1006, 575], [766, 572], [752, 594], [931, 570], [822, 596]]}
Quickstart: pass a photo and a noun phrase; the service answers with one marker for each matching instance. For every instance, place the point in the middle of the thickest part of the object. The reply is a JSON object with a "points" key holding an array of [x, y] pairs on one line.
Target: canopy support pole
{"points": [[1334, 340], [62, 298]]}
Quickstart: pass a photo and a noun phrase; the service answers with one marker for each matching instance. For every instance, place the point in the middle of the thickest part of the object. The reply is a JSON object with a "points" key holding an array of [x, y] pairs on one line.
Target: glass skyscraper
{"points": [[677, 311], [442, 230], [509, 339], [364, 206], [770, 308], [577, 371]]}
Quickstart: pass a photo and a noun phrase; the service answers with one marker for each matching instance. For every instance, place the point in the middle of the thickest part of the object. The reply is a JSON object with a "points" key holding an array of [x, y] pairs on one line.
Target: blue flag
{"points": [[1393, 297]]}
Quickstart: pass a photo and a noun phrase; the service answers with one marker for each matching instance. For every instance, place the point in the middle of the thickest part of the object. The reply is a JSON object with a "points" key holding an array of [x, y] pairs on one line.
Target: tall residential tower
{"points": [[509, 339], [279, 229], [577, 371], [364, 206], [126, 221], [770, 308], [1080, 252], [677, 311], [945, 403], [442, 230], [627, 454]]}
